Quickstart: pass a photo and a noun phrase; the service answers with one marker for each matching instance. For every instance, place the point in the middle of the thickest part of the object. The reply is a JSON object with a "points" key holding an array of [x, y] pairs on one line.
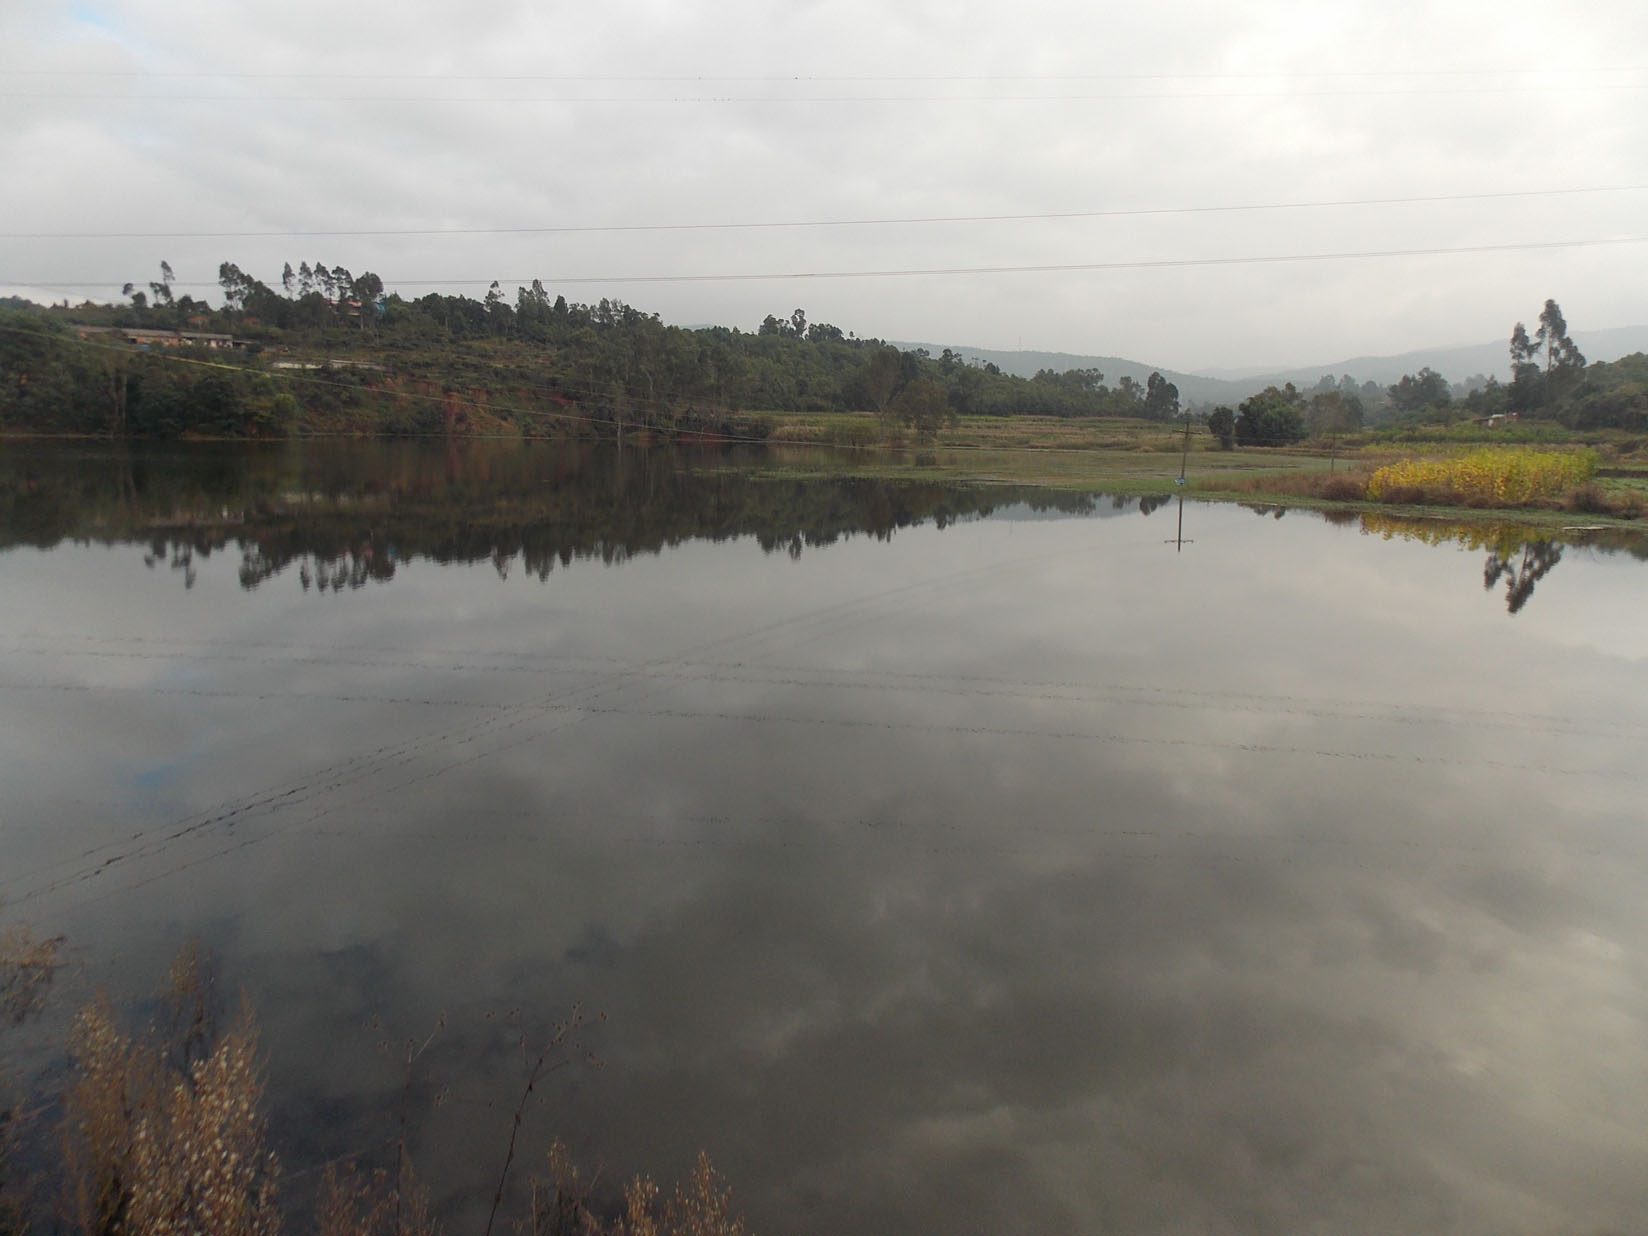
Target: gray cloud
{"points": [[1522, 112]]}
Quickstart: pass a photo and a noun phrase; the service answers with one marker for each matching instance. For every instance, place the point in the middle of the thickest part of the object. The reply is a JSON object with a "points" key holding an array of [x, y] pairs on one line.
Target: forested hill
{"points": [[328, 350]]}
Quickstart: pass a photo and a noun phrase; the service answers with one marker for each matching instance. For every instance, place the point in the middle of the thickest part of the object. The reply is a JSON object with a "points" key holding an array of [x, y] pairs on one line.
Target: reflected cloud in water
{"points": [[1011, 872]]}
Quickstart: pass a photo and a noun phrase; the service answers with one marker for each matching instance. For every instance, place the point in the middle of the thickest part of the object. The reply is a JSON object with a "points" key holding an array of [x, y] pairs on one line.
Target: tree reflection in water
{"points": [[344, 515], [1519, 554], [1536, 560]]}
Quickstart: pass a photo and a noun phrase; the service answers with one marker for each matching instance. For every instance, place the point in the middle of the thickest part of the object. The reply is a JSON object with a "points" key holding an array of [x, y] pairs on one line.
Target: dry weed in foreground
{"points": [[190, 1004], [701, 1206], [200, 1160], [162, 1135], [356, 1204], [152, 1147], [27, 966], [535, 1071], [115, 1086]]}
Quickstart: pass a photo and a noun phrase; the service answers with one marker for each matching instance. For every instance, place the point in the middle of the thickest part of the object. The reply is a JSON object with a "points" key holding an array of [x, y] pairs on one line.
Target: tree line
{"points": [[535, 362], [1284, 415], [530, 361], [1548, 380]]}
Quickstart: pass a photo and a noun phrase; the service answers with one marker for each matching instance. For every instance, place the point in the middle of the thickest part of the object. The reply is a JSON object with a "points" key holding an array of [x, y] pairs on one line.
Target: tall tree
{"points": [[366, 288], [235, 283], [923, 405], [1332, 413], [1221, 423], [1542, 365], [163, 290], [1271, 418], [1161, 398], [1415, 392], [1560, 350], [1524, 391], [880, 378]]}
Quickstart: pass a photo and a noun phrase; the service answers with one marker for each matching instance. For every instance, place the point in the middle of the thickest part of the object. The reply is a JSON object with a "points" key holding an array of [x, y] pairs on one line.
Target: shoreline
{"points": [[1082, 469]]}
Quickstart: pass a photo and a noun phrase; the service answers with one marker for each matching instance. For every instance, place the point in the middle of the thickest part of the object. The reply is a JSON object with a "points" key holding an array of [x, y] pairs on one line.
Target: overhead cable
{"points": [[585, 228], [937, 271]]}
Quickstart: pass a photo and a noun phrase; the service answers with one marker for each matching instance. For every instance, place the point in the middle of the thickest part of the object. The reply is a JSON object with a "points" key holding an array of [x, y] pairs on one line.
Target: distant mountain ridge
{"points": [[1233, 385], [1455, 363]]}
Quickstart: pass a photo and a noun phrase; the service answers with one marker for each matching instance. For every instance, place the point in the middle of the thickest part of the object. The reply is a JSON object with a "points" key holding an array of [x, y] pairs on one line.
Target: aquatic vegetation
{"points": [[1491, 477]]}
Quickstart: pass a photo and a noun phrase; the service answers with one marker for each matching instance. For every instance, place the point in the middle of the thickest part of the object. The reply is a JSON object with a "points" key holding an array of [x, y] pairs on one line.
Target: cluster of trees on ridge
{"points": [[1549, 381], [444, 362], [328, 350]]}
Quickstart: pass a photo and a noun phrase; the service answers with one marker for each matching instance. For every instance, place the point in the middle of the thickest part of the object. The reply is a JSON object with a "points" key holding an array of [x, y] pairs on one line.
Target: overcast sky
{"points": [[477, 124]]}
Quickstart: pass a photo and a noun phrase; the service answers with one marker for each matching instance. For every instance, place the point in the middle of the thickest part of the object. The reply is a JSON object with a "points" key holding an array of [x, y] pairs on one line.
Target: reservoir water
{"points": [[937, 858]]}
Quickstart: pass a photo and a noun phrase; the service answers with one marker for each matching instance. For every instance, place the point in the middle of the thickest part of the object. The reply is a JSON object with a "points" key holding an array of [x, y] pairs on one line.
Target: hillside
{"points": [[1455, 363], [332, 353]]}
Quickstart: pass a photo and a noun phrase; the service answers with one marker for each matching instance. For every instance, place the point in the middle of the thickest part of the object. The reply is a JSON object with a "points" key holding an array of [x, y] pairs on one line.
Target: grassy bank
{"points": [[1548, 486], [1137, 457], [1605, 481]]}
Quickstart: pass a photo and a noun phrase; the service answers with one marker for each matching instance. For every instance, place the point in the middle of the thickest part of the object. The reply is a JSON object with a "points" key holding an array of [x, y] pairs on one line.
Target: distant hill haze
{"points": [[1231, 386]]}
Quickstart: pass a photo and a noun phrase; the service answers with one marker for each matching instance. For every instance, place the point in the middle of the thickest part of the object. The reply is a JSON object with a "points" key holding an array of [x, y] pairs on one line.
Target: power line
{"points": [[1043, 268], [570, 229], [1108, 97], [1305, 75]]}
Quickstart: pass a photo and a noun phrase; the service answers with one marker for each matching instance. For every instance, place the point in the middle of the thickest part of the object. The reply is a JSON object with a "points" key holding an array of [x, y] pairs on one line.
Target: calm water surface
{"points": [[940, 859]]}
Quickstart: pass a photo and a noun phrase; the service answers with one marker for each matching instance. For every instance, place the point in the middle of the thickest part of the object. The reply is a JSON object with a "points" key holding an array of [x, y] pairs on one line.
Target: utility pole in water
{"points": [[1184, 458]]}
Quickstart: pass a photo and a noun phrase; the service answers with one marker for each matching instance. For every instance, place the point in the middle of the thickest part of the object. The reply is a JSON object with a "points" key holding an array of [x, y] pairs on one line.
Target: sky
{"points": [[1100, 179]]}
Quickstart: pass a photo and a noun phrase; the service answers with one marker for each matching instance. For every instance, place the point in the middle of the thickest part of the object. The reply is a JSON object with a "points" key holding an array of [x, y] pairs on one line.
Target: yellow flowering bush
{"points": [[1491, 477]]}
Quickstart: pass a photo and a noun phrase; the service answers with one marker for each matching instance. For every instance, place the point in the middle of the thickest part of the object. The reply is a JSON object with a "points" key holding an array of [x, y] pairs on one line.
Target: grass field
{"points": [[1139, 457], [1135, 457]]}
